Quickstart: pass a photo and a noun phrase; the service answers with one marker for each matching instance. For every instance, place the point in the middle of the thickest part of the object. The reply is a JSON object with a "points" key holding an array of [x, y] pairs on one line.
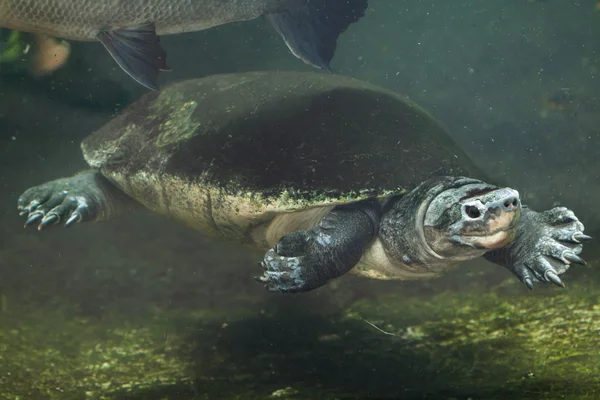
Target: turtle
{"points": [[325, 174]]}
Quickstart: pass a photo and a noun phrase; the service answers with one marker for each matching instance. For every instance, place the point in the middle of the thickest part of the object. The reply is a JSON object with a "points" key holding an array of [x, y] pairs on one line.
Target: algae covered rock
{"points": [[480, 344]]}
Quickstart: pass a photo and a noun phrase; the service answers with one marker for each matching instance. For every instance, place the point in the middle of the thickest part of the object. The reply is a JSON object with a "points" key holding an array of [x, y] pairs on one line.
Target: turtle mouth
{"points": [[487, 234], [505, 228], [494, 233], [490, 240]]}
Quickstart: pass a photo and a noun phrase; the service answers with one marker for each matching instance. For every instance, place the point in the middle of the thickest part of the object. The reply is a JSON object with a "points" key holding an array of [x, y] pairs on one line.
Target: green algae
{"points": [[179, 127], [541, 344], [493, 344], [48, 355]]}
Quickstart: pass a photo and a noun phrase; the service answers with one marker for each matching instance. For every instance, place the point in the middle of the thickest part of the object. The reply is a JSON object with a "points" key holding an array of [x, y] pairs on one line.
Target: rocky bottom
{"points": [[499, 343]]}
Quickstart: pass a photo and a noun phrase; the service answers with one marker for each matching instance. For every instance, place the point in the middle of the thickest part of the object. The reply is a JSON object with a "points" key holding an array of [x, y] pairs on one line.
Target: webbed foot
{"points": [[83, 197], [289, 265], [545, 246], [304, 260], [54, 202]]}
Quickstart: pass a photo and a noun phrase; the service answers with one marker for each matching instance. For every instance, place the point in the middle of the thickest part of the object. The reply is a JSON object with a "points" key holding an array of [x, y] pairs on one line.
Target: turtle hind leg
{"points": [[304, 260], [87, 196]]}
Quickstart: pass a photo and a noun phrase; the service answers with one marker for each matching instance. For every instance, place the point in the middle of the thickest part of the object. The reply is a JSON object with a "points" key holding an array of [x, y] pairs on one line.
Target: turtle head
{"points": [[446, 220], [464, 221]]}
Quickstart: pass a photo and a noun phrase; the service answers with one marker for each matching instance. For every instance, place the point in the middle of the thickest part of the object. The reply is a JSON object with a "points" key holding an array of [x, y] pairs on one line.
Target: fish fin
{"points": [[138, 52], [311, 30]]}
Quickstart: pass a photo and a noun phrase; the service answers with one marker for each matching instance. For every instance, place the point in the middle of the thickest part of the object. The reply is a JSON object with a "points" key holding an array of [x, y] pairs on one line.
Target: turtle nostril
{"points": [[511, 203], [472, 212]]}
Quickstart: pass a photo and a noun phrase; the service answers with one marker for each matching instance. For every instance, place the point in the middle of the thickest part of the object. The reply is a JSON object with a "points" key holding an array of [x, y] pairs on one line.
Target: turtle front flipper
{"points": [[304, 260], [544, 247], [88, 196]]}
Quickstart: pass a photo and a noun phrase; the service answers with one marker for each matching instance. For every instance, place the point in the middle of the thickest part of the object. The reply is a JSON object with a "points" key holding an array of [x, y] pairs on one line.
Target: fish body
{"points": [[84, 19], [129, 29]]}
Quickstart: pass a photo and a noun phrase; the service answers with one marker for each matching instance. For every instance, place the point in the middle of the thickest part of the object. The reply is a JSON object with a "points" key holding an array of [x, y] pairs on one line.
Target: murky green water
{"points": [[141, 308]]}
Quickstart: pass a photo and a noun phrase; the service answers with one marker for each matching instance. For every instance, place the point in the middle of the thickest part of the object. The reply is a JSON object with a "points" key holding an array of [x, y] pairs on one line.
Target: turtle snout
{"points": [[510, 203], [502, 201], [507, 200], [495, 210]]}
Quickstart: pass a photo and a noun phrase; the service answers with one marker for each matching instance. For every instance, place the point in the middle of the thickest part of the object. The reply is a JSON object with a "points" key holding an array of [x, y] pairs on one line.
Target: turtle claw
{"points": [[569, 256], [33, 217], [580, 237], [49, 219], [552, 277], [73, 219], [273, 280]]}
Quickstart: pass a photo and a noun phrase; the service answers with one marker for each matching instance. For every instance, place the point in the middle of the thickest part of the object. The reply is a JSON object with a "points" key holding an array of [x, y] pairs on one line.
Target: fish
{"points": [[130, 30], [41, 54], [49, 55]]}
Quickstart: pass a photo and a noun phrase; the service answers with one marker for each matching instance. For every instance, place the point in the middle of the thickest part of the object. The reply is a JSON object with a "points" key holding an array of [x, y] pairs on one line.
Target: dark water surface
{"points": [[142, 308]]}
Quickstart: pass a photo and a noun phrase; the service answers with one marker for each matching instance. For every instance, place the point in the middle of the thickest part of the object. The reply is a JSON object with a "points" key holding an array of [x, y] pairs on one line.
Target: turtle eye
{"points": [[472, 212]]}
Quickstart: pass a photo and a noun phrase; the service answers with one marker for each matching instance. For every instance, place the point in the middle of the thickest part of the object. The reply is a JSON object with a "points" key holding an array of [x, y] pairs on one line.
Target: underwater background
{"points": [[142, 308]]}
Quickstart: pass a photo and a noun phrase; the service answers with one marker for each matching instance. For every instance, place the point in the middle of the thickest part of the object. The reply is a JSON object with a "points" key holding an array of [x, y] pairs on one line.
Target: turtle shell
{"points": [[226, 153]]}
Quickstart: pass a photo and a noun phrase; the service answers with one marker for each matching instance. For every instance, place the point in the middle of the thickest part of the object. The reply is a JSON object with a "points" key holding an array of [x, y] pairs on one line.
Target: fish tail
{"points": [[311, 30]]}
